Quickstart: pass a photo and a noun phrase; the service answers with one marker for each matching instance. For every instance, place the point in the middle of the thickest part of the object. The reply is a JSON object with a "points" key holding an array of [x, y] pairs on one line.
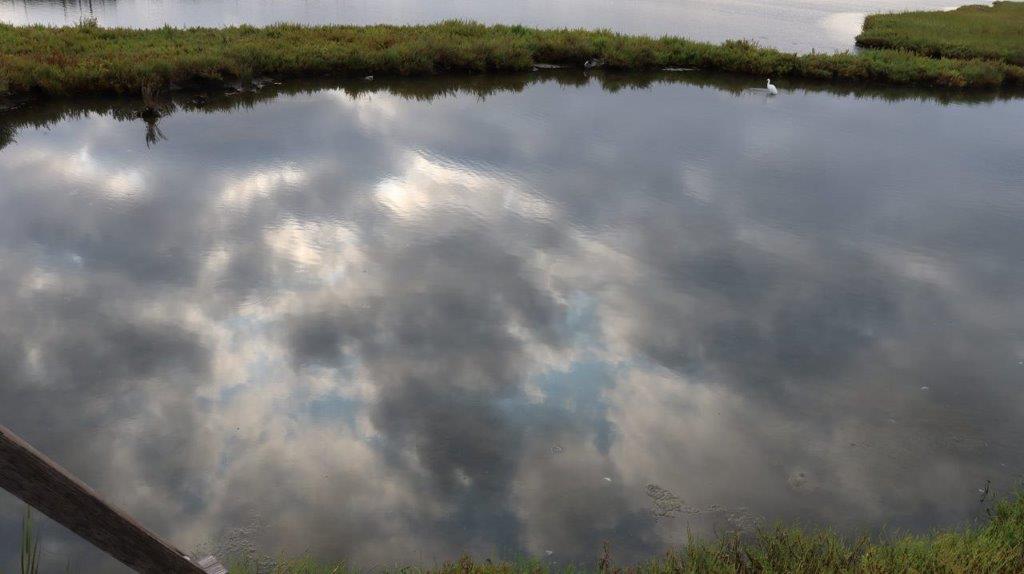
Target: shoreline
{"points": [[45, 62], [994, 545]]}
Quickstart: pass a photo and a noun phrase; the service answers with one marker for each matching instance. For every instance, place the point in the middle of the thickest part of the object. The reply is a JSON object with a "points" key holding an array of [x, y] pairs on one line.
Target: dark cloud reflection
{"points": [[387, 330]]}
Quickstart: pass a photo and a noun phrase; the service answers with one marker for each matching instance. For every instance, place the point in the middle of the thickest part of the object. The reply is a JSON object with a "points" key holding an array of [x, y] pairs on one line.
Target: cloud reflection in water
{"points": [[394, 330]]}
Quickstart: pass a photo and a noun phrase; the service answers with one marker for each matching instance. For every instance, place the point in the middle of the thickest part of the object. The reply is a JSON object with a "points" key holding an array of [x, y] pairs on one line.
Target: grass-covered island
{"points": [[994, 547], [992, 32], [88, 59]]}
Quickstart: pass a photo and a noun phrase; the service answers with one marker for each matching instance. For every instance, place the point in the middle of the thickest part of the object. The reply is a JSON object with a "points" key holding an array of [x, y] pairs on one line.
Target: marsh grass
{"points": [[994, 547], [29, 551], [990, 32], [88, 59]]}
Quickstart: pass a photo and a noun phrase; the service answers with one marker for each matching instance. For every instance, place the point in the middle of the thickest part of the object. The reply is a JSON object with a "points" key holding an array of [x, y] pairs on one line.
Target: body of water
{"points": [[395, 323], [790, 25]]}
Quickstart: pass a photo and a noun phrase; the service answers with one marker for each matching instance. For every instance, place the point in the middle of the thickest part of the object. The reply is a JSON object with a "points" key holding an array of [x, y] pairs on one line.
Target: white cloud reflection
{"points": [[392, 341]]}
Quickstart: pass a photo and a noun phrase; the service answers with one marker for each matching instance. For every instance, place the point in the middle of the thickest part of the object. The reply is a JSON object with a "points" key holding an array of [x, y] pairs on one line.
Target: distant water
{"points": [[396, 322], [792, 25]]}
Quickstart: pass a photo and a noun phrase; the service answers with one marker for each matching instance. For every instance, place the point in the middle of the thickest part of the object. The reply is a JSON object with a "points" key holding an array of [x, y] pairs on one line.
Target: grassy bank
{"points": [[994, 547], [88, 59], [997, 546], [992, 32]]}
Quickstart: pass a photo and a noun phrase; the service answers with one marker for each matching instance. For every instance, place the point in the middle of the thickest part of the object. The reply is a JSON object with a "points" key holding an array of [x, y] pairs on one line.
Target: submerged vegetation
{"points": [[993, 32], [994, 547], [88, 59]]}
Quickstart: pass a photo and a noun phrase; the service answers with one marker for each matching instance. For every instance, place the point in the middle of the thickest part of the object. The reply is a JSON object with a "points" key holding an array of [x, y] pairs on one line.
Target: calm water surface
{"points": [[394, 329], [792, 25]]}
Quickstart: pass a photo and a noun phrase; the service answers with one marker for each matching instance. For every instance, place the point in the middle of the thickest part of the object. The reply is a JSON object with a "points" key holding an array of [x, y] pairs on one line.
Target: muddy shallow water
{"points": [[396, 322], [791, 25]]}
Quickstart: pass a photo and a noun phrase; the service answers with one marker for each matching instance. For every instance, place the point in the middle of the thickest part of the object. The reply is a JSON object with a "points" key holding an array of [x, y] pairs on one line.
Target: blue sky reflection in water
{"points": [[394, 330]]}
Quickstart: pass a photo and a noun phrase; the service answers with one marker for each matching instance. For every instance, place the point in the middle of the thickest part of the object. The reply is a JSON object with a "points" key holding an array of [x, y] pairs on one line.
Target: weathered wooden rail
{"points": [[40, 482]]}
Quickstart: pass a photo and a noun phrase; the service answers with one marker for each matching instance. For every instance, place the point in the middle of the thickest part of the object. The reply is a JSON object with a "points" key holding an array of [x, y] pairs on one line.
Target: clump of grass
{"points": [[29, 544], [88, 59], [150, 96], [990, 32], [88, 22]]}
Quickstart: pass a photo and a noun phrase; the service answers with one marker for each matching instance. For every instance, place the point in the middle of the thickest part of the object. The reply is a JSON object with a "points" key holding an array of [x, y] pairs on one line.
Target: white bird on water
{"points": [[771, 88]]}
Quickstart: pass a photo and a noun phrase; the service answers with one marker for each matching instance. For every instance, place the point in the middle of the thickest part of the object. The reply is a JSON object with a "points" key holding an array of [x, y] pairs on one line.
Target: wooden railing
{"points": [[41, 483]]}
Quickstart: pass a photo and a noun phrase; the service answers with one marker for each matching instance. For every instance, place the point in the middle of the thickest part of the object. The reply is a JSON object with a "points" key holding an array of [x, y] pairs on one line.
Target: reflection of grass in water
{"points": [[90, 59], [994, 547], [995, 32], [45, 113]]}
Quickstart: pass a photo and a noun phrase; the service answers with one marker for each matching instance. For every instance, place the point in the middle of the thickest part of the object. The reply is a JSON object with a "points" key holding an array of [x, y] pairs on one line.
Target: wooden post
{"points": [[29, 475]]}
